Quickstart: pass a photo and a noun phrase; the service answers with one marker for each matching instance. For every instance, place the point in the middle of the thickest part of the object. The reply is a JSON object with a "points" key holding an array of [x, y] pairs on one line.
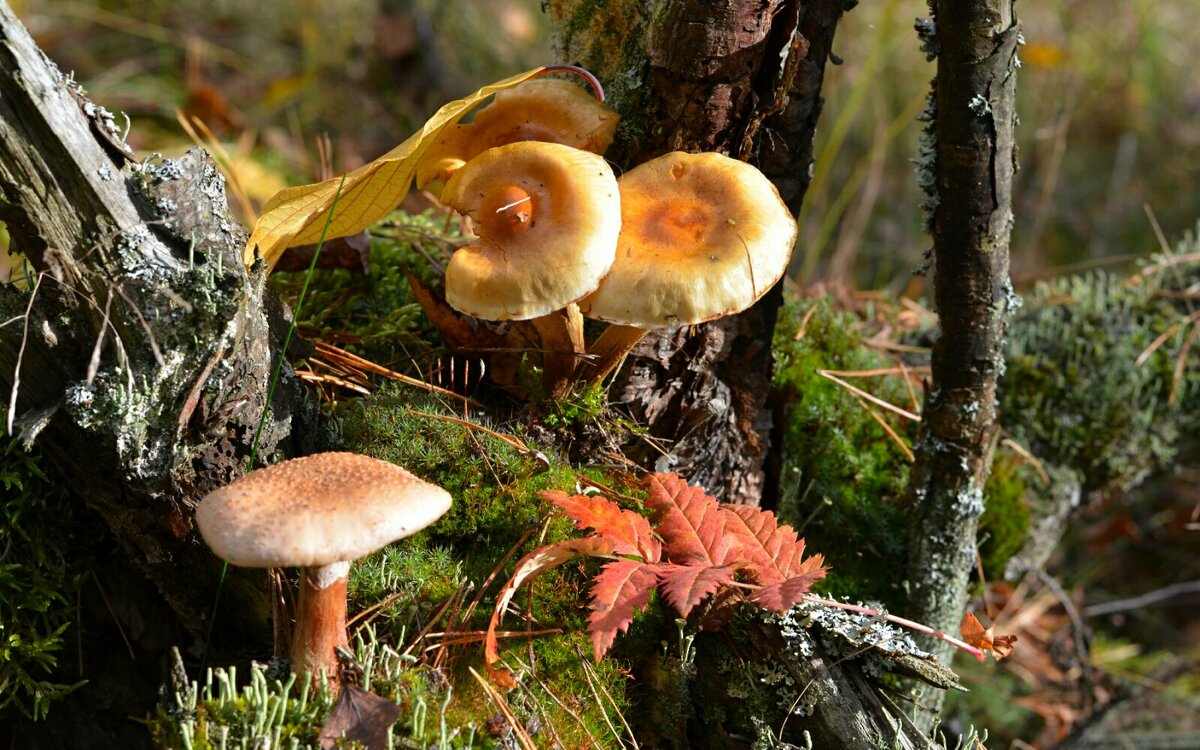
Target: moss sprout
{"points": [[42, 561]]}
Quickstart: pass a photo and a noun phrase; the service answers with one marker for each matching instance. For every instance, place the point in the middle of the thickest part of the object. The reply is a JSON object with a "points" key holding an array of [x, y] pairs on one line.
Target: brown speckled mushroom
{"points": [[318, 513], [702, 236]]}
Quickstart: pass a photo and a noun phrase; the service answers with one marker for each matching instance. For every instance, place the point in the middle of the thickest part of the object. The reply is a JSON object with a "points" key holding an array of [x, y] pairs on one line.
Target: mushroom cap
{"points": [[702, 236], [547, 217], [316, 510], [542, 109]]}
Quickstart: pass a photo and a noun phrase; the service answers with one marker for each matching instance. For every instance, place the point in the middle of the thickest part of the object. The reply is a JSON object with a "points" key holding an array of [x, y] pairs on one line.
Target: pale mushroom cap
{"points": [[702, 236], [547, 216], [316, 510], [542, 109]]}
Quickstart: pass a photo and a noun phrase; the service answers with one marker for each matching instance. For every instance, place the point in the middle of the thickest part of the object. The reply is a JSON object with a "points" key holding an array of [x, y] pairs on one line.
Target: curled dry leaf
{"points": [[297, 215], [629, 532], [985, 639], [538, 561]]}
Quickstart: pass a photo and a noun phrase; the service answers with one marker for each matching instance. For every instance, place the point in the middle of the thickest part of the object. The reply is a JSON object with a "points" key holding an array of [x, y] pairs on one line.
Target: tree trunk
{"points": [[969, 156], [139, 354], [738, 77]]}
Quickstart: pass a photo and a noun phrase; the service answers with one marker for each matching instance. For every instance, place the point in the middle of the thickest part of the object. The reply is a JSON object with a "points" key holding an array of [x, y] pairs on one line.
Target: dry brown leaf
{"points": [[297, 215]]}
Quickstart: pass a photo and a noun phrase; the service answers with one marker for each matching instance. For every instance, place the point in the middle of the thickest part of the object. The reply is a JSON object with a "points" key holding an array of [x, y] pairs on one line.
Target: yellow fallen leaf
{"points": [[296, 215]]}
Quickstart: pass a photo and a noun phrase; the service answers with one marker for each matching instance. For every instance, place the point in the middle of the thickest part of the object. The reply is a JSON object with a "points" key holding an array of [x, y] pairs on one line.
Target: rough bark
{"points": [[970, 141], [738, 77], [139, 357]]}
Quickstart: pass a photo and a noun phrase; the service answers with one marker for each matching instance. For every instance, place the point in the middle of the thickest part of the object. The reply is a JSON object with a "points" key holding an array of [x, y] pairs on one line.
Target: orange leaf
{"points": [[782, 596], [691, 523], [984, 639], [296, 215], [685, 586], [622, 588], [538, 561], [774, 555], [629, 532]]}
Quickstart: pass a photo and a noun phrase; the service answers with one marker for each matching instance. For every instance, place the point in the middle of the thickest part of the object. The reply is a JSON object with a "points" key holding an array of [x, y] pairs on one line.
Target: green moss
{"points": [[843, 477], [43, 558], [1005, 519]]}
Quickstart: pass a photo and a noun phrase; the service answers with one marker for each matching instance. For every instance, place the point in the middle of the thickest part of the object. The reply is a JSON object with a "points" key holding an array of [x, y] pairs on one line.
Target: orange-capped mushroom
{"points": [[543, 109], [702, 236], [547, 218]]}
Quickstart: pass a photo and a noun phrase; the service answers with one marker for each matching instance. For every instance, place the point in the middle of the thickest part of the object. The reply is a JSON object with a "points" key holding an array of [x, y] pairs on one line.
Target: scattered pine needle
{"points": [[877, 371], [1163, 337], [462, 638], [331, 353], [506, 439], [899, 441], [892, 346], [906, 373], [518, 730], [1181, 363], [828, 374], [1023, 452], [804, 323]]}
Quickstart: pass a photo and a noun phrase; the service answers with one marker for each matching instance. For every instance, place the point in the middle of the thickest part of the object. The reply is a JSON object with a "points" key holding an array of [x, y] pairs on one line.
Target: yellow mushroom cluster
{"points": [[678, 240]]}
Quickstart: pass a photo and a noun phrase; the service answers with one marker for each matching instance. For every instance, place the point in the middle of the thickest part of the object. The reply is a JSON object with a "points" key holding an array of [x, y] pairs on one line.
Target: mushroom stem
{"points": [[608, 351], [562, 344], [320, 621]]}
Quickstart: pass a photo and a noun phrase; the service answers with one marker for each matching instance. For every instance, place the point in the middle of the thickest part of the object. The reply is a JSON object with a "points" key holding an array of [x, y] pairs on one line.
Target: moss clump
{"points": [[496, 508], [843, 477], [1083, 389], [42, 562], [1005, 520]]}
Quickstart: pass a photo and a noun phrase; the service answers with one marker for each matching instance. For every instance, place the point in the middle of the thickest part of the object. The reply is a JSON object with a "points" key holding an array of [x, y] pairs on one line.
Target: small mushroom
{"points": [[318, 513], [547, 218], [702, 236], [542, 109]]}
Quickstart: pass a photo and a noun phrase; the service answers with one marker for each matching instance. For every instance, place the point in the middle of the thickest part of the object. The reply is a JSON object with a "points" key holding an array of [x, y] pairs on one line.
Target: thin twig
{"points": [[898, 621], [16, 380]]}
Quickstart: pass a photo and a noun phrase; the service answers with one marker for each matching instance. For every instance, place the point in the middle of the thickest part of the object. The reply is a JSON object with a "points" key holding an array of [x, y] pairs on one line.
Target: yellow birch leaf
{"points": [[296, 215]]}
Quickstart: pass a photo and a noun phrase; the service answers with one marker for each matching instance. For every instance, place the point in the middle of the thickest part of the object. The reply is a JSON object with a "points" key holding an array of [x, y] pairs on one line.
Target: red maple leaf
{"points": [[685, 586], [704, 546], [629, 532], [622, 588], [691, 523], [774, 557]]}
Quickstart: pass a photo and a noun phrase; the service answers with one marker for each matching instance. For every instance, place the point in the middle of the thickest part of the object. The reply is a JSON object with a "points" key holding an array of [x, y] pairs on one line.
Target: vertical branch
{"points": [[967, 168]]}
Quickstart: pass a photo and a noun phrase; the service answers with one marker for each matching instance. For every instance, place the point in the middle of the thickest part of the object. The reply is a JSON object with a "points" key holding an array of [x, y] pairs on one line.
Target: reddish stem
{"points": [[320, 622], [899, 621]]}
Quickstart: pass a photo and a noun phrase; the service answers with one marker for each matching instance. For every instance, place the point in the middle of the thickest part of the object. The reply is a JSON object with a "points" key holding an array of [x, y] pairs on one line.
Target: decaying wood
{"points": [[139, 354], [743, 78]]}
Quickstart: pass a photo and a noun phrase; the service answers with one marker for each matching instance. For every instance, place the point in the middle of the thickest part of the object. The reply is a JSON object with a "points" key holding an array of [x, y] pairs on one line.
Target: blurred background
{"points": [[1109, 104], [1109, 100]]}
